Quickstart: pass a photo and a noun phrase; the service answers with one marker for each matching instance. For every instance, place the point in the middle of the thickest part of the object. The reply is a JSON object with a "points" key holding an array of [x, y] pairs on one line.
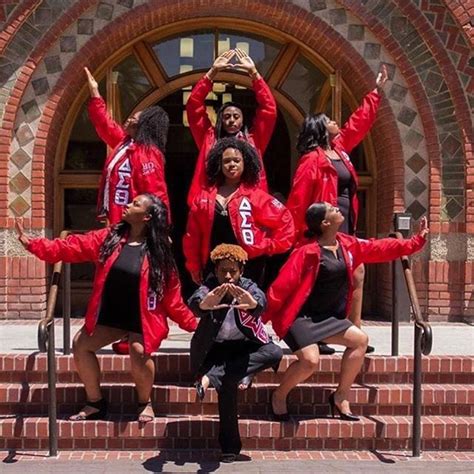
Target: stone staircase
{"points": [[382, 395]]}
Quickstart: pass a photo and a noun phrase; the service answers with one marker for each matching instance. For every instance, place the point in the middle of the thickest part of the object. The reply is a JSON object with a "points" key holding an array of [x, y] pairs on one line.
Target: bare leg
{"points": [[356, 342], [143, 373], [87, 365], [355, 314], [297, 372]]}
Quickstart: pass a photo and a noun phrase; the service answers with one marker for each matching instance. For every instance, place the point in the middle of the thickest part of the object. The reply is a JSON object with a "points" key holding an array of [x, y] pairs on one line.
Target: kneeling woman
{"points": [[230, 342], [309, 301], [135, 288]]}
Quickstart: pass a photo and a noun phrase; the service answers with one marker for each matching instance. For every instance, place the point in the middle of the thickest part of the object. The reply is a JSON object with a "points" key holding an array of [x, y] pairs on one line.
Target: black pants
{"points": [[227, 363]]}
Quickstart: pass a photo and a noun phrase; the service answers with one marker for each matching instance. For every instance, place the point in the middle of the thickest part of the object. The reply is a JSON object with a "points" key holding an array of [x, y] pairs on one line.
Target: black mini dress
{"points": [[324, 313], [120, 306], [222, 233], [344, 187]]}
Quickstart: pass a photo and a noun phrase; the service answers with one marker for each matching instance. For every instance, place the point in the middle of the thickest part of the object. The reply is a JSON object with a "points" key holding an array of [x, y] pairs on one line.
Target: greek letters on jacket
{"points": [[261, 225], [78, 248], [248, 322], [140, 170]]}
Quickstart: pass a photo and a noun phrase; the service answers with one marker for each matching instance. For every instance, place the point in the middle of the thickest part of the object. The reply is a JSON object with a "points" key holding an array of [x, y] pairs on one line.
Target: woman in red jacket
{"points": [[310, 299], [230, 119], [325, 172], [234, 211], [135, 288], [136, 164]]}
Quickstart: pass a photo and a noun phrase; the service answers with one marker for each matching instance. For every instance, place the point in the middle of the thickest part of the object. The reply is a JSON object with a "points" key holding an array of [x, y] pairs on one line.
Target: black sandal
{"points": [[141, 408], [100, 405]]}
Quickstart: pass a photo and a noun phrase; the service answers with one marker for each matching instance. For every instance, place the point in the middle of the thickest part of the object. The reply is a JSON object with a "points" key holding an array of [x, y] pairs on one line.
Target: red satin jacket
{"points": [[140, 169], [316, 178], [288, 293], [78, 248], [204, 133], [261, 224]]}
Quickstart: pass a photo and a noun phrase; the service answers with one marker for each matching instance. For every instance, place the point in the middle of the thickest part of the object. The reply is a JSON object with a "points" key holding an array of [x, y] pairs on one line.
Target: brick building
{"points": [[315, 54]]}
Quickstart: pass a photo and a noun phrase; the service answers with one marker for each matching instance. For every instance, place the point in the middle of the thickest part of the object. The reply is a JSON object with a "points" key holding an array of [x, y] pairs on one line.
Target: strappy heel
{"points": [[142, 418]]}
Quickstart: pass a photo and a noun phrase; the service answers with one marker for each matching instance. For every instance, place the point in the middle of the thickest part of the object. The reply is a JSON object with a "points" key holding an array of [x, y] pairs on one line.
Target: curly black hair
{"points": [[152, 128], [313, 133], [252, 167], [157, 244]]}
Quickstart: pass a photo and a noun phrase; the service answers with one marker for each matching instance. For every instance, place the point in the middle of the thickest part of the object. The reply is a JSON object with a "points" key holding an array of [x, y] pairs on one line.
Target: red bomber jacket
{"points": [[139, 170], [78, 248], [262, 225], [288, 293], [204, 133], [316, 178]]}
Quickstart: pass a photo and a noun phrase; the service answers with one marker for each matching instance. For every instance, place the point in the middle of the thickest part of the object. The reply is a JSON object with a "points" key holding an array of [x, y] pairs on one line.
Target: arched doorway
{"points": [[161, 69]]}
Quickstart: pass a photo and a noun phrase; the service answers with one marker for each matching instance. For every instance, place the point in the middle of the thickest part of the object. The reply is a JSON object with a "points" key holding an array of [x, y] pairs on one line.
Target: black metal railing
{"points": [[422, 344], [46, 341]]}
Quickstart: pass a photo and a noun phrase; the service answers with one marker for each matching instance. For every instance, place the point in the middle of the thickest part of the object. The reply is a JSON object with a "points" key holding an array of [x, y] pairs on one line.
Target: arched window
{"points": [[161, 69]]}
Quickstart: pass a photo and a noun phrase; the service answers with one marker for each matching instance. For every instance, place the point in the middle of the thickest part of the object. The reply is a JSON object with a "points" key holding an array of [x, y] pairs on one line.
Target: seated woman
{"points": [[230, 342], [234, 211], [310, 299], [135, 288]]}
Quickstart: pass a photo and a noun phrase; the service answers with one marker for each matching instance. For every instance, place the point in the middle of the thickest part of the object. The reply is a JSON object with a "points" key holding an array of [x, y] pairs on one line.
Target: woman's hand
{"points": [[382, 77], [92, 83], [423, 229], [213, 299], [244, 299], [220, 63], [246, 63], [197, 277], [22, 237]]}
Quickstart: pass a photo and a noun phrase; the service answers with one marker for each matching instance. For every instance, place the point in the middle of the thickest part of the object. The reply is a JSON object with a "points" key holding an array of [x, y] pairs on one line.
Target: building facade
{"points": [[316, 55]]}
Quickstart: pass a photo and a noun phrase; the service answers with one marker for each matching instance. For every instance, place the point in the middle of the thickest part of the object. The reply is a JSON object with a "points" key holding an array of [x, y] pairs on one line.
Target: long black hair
{"points": [[219, 129], [157, 244], [152, 128], [315, 214], [251, 173], [313, 133]]}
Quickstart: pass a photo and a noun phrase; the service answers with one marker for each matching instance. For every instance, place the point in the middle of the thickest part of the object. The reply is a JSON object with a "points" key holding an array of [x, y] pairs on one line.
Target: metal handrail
{"points": [[46, 342], [423, 344]]}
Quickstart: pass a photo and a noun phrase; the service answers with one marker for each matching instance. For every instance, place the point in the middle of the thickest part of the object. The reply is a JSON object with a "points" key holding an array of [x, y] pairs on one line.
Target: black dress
{"points": [[324, 313], [222, 233], [120, 306], [344, 187]]}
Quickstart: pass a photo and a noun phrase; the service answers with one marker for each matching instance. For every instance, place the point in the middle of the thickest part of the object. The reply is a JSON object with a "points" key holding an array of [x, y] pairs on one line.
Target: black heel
{"points": [[343, 416], [200, 391]]}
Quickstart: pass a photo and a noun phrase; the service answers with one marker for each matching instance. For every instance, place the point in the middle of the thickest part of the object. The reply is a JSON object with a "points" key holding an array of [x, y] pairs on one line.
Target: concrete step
{"points": [[305, 399], [200, 432], [174, 368]]}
